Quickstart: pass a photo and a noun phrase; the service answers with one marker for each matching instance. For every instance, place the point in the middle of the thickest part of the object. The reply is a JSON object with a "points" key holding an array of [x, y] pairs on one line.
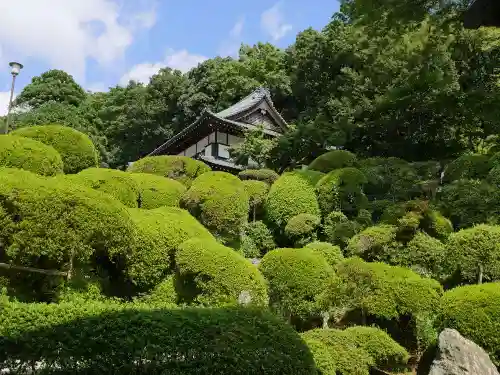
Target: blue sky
{"points": [[106, 42]]}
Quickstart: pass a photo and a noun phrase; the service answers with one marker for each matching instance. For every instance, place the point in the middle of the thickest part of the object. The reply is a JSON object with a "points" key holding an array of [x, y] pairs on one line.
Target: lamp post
{"points": [[15, 69]]}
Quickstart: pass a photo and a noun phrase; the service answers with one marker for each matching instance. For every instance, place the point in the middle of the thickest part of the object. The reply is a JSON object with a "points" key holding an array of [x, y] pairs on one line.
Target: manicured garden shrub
{"points": [[209, 273], [331, 160], [301, 229], [377, 243], [423, 254], [180, 168], [289, 196], [248, 248], [474, 311], [159, 234], [266, 175], [475, 253], [338, 229], [468, 167], [76, 149], [325, 363], [220, 202], [118, 184], [296, 278], [156, 191], [342, 190], [122, 339], [310, 175], [53, 224], [257, 194], [30, 155], [261, 236], [332, 254], [163, 293]]}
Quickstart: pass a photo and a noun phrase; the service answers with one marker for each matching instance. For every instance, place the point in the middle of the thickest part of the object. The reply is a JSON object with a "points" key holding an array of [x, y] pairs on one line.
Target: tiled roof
{"points": [[246, 103]]}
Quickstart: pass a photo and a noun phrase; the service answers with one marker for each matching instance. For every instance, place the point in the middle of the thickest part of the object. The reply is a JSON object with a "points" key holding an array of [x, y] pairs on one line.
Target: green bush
{"points": [[338, 229], [76, 149], [332, 254], [427, 170], [289, 196], [494, 177], [157, 191], [475, 253], [30, 155], [468, 167], [311, 176], [220, 202], [342, 190], [118, 184], [257, 194], [53, 224], [122, 339], [301, 229], [209, 273], [332, 160], [248, 248], [377, 243], [474, 311], [261, 236], [423, 254], [296, 278], [163, 293], [325, 363], [159, 233], [180, 168], [266, 175]]}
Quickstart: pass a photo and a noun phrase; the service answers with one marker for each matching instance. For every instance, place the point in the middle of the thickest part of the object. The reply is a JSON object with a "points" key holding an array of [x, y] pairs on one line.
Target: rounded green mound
{"points": [[257, 193], [296, 278], [468, 167], [76, 149], [56, 225], [332, 254], [30, 155], [311, 176], [260, 236], [289, 196], [266, 175], [180, 168], [209, 273], [377, 243], [220, 202], [156, 191], [332, 160], [159, 234], [302, 228], [474, 311], [118, 184], [121, 339]]}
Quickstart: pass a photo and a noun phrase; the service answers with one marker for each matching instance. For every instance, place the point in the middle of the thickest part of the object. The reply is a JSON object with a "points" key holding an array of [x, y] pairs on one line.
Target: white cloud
{"points": [[231, 46], [273, 22], [181, 60], [4, 102], [64, 34]]}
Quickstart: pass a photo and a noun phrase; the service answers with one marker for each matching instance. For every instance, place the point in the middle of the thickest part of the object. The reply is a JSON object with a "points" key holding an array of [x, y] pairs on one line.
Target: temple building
{"points": [[209, 137], [483, 13]]}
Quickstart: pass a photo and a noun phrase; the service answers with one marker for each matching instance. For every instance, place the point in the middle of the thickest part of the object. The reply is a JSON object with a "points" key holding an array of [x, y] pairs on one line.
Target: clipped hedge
{"points": [[289, 196], [122, 339], [118, 184], [257, 193], [159, 234], [377, 243], [310, 175], [338, 229], [266, 175], [220, 202], [332, 254], [296, 278], [156, 191], [180, 168], [470, 166], [474, 311], [332, 160], [209, 273], [261, 236], [302, 227], [53, 224], [30, 155], [76, 149]]}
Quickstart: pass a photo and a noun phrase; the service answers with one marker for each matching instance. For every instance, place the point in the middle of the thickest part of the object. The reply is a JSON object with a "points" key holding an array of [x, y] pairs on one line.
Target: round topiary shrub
{"points": [[156, 191], [30, 155], [377, 243], [220, 202], [475, 253], [338, 229], [261, 236], [127, 339], [163, 293], [296, 278], [257, 193], [118, 184], [342, 190], [180, 168], [424, 255], [474, 311], [468, 167], [159, 234], [76, 149], [52, 224], [332, 254], [209, 273], [301, 229], [311, 176], [266, 175], [336, 159], [289, 196]]}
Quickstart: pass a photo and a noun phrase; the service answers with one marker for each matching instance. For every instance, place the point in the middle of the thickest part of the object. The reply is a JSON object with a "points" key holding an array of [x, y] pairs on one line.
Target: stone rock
{"points": [[459, 356]]}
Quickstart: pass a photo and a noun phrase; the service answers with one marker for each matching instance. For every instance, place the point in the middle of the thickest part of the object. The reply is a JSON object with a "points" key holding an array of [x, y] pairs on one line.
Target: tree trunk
{"points": [[326, 318], [254, 212], [480, 278]]}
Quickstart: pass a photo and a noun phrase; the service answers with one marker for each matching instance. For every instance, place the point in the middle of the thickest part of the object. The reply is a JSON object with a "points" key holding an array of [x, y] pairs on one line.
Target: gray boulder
{"points": [[459, 356]]}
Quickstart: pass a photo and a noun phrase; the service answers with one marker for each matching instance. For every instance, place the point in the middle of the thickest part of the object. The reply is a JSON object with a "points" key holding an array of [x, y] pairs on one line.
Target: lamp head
{"points": [[16, 68]]}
